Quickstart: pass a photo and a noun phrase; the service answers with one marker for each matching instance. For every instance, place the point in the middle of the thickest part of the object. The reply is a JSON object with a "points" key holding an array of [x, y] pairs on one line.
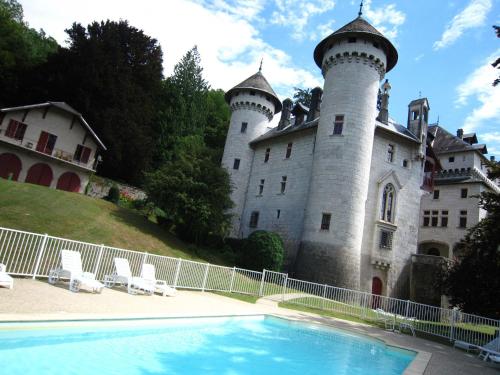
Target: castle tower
{"points": [[253, 104], [353, 60], [418, 117]]}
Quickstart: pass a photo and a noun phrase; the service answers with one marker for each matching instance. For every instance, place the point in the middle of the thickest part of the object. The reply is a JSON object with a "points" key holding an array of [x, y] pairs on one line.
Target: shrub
{"points": [[113, 194], [263, 250]]}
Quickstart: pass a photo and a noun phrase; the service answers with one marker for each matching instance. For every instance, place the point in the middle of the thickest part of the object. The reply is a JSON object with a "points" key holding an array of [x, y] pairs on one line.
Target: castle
{"points": [[339, 181]]}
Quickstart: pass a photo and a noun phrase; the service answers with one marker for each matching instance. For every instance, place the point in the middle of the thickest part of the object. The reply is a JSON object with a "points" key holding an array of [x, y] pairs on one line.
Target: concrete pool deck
{"points": [[38, 300]]}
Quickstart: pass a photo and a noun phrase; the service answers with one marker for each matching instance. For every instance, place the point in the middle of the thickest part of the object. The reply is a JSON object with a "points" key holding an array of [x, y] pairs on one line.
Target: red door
{"points": [[376, 291], [39, 174], [10, 166], [69, 181]]}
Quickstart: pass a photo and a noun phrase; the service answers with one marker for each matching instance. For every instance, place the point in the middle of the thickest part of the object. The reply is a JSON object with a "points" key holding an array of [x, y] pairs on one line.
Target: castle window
{"points": [[338, 125], [405, 163], [288, 150], [261, 187], [283, 184], [385, 239], [252, 93], [387, 209], [244, 127], [414, 115], [268, 98], [254, 219], [375, 45], [351, 40], [278, 214], [451, 159], [390, 153], [236, 164], [463, 193], [463, 219], [427, 218], [435, 194], [16, 130], [444, 218], [266, 156], [434, 218], [325, 221]]}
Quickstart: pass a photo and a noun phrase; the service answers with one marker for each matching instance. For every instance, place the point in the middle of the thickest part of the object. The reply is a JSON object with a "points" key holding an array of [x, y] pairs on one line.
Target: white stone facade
{"points": [[58, 164]]}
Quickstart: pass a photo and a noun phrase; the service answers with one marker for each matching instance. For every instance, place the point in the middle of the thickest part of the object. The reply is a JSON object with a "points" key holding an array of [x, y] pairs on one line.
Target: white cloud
{"points": [[491, 137], [472, 16], [297, 13], [478, 86], [387, 19], [322, 31], [419, 57], [228, 41]]}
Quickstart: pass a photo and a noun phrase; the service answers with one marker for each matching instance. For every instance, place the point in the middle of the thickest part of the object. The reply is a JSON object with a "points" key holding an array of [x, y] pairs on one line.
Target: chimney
{"points": [[383, 115], [492, 158], [460, 133], [285, 114], [313, 113]]}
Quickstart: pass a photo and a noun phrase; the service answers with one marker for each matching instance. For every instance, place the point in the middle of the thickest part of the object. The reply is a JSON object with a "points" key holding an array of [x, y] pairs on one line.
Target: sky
{"points": [[445, 47]]}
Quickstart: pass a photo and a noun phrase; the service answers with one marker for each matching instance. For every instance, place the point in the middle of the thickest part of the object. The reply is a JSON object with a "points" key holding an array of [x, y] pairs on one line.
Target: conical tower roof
{"points": [[362, 28], [257, 82]]}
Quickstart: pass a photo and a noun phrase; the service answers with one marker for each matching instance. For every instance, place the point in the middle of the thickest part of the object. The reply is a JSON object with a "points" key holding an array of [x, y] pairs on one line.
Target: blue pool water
{"points": [[243, 345]]}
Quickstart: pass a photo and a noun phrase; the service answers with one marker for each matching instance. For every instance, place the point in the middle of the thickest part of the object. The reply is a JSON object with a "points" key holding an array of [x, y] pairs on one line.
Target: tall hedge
{"points": [[263, 250]]}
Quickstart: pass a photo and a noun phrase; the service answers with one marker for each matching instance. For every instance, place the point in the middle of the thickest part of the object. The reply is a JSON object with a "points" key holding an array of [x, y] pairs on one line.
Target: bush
{"points": [[263, 250], [113, 194]]}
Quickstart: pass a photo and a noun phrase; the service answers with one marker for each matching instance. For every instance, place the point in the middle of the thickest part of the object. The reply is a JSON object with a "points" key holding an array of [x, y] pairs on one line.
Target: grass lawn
{"points": [[241, 297], [58, 213]]}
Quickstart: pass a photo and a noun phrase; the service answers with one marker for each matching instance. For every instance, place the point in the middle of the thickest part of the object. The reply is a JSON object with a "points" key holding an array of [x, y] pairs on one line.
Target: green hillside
{"points": [[39, 209]]}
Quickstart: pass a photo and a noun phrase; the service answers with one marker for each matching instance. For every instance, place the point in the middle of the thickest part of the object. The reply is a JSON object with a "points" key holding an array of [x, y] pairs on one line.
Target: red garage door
{"points": [[10, 166], [69, 181], [39, 174]]}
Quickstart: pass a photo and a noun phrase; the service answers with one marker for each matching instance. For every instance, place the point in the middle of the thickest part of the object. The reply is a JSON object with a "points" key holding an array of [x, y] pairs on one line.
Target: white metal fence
{"points": [[31, 254]]}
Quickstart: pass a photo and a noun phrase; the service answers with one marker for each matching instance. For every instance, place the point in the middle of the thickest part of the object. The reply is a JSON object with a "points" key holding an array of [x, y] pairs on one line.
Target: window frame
{"points": [[267, 154], [288, 152], [462, 191], [283, 184], [244, 126], [391, 151], [254, 219], [326, 218], [338, 125], [388, 204], [236, 164]]}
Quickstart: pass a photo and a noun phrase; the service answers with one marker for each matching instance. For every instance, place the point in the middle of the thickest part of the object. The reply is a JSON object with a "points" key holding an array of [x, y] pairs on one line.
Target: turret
{"points": [[253, 104], [418, 117], [285, 114], [353, 60]]}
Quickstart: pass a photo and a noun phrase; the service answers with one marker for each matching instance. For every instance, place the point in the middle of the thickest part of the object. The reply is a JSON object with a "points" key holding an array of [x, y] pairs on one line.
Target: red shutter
{"points": [[21, 129], [42, 141], [85, 155], [11, 129]]}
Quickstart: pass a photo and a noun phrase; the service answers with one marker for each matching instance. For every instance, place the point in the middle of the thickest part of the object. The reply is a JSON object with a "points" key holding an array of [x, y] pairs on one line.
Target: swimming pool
{"points": [[222, 345]]}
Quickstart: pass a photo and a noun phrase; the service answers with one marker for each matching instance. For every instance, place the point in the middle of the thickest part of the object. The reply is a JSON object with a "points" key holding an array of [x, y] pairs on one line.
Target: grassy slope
{"points": [[38, 209]]}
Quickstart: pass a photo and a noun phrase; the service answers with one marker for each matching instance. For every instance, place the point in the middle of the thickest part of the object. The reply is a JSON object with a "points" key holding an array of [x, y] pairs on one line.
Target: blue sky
{"points": [[445, 47]]}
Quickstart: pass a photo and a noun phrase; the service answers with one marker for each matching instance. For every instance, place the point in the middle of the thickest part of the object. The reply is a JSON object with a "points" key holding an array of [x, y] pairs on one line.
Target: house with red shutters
{"points": [[48, 144]]}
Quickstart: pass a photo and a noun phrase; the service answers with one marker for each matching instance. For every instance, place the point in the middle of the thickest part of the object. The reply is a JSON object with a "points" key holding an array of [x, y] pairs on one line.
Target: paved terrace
{"points": [[37, 300]]}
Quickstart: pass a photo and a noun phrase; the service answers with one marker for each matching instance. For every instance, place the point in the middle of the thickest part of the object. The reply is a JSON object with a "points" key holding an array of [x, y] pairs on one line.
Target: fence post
{"points": [[145, 258], [96, 268], [262, 282], [324, 297], [232, 280], [177, 271], [205, 278], [40, 253], [284, 288], [407, 308], [452, 325]]}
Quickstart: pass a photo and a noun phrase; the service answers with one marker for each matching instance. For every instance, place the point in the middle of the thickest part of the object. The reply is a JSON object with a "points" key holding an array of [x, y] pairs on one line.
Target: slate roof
{"points": [[64, 107], [256, 82], [358, 27], [392, 127], [446, 142]]}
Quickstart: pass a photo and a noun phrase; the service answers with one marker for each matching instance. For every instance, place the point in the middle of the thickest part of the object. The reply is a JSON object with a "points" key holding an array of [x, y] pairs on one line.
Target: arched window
{"points": [[387, 208]]}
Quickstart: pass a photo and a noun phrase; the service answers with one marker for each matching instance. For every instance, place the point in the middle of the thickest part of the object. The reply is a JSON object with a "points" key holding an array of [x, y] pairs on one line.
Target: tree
{"points": [[302, 96], [111, 72], [496, 64], [263, 250], [193, 190], [21, 49], [472, 282]]}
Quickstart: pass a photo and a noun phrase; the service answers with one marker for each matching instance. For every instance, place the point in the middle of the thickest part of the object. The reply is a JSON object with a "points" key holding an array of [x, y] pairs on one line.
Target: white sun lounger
{"points": [[148, 273], [490, 351], [5, 279], [71, 268], [123, 276]]}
